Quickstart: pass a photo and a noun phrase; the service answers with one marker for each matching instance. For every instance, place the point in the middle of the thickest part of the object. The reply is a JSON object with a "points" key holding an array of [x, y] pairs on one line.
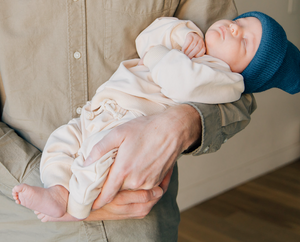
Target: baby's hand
{"points": [[193, 46]]}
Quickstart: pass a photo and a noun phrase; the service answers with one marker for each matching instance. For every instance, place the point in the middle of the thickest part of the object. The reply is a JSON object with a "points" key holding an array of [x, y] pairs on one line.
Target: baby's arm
{"points": [[186, 80], [167, 31]]}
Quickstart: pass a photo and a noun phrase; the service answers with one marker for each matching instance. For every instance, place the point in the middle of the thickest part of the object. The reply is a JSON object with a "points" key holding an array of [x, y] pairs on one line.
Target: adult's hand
{"points": [[131, 204], [126, 205], [148, 148]]}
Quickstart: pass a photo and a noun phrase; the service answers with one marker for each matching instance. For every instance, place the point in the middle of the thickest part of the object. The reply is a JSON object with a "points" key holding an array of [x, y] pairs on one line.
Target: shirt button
{"points": [[77, 55], [78, 110], [206, 149], [225, 140]]}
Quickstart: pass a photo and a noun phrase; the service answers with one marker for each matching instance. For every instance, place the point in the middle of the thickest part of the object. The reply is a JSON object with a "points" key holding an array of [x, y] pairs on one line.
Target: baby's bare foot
{"points": [[49, 201]]}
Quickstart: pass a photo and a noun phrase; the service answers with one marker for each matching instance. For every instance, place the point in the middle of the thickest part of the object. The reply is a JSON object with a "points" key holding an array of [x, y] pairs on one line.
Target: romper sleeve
{"points": [[167, 31], [197, 80], [220, 122]]}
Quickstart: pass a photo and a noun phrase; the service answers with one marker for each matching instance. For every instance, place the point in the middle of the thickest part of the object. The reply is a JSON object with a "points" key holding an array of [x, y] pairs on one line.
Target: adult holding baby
{"points": [[63, 49]]}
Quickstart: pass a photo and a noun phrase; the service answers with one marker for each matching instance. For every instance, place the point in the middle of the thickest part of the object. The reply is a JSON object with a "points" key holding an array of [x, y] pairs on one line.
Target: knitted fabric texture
{"points": [[276, 62]]}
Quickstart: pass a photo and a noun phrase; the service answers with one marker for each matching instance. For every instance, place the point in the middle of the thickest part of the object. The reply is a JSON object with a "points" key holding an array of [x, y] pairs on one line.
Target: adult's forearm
{"points": [[221, 122]]}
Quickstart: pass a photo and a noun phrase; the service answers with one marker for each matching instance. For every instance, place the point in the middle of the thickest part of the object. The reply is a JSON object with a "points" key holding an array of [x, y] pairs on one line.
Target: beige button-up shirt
{"points": [[53, 56]]}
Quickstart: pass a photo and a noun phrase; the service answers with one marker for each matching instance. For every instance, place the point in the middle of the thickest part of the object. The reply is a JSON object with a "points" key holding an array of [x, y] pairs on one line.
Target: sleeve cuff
{"points": [[77, 210], [154, 55], [212, 138]]}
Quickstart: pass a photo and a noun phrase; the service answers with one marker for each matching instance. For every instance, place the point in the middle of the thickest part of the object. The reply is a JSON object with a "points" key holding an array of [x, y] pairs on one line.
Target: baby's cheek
{"points": [[211, 39]]}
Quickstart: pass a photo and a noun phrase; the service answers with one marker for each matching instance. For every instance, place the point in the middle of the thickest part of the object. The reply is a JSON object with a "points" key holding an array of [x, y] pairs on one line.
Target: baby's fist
{"points": [[193, 46]]}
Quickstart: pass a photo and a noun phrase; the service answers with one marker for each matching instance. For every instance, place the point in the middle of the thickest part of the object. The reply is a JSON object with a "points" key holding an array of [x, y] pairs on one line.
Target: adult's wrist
{"points": [[188, 124]]}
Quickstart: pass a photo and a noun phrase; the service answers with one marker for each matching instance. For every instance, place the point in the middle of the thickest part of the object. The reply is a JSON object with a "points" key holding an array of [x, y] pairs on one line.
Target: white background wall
{"points": [[272, 138]]}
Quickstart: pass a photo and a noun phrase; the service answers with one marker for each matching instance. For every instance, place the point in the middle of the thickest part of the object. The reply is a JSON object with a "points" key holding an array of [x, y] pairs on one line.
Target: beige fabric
{"points": [[62, 162], [44, 85]]}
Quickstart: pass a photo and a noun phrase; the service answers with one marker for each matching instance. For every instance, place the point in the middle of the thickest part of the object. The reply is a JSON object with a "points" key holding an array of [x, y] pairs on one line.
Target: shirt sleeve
{"points": [[18, 159], [220, 122]]}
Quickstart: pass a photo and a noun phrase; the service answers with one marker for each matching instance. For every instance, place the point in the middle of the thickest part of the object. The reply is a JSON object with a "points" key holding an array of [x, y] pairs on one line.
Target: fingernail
{"points": [[157, 192]]}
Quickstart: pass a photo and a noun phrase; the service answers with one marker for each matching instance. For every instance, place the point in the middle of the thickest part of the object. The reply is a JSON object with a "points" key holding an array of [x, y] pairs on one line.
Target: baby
{"points": [[172, 70]]}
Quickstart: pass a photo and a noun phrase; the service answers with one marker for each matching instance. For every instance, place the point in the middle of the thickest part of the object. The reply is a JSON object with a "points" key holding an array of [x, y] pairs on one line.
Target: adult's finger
{"points": [[108, 143], [113, 211], [110, 189], [128, 205], [140, 196]]}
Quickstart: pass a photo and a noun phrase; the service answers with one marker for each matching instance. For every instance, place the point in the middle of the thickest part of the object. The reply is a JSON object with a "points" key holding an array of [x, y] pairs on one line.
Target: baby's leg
{"points": [[51, 201]]}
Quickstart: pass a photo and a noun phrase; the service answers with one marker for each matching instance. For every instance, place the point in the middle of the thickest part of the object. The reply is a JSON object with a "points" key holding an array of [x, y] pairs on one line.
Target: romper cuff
{"points": [[211, 139], [78, 210]]}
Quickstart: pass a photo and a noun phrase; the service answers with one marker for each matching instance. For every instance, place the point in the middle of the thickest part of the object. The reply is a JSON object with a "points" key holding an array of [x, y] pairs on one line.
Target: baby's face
{"points": [[234, 42]]}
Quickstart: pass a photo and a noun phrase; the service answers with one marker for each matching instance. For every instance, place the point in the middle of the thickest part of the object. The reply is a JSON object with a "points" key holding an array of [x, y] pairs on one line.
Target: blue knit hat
{"points": [[276, 62]]}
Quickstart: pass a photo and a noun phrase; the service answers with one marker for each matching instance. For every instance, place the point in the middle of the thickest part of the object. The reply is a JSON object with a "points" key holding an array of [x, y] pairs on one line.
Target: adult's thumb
{"points": [[100, 149]]}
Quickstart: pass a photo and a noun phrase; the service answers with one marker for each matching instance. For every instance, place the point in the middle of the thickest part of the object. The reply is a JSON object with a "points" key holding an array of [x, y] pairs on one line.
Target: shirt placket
{"points": [[77, 55], [78, 80]]}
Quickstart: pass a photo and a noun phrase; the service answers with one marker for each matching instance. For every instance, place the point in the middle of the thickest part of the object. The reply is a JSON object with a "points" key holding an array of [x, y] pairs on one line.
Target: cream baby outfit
{"points": [[168, 77]]}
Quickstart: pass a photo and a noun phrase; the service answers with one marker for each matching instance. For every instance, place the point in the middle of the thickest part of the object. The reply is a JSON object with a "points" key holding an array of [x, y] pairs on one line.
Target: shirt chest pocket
{"points": [[124, 20]]}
